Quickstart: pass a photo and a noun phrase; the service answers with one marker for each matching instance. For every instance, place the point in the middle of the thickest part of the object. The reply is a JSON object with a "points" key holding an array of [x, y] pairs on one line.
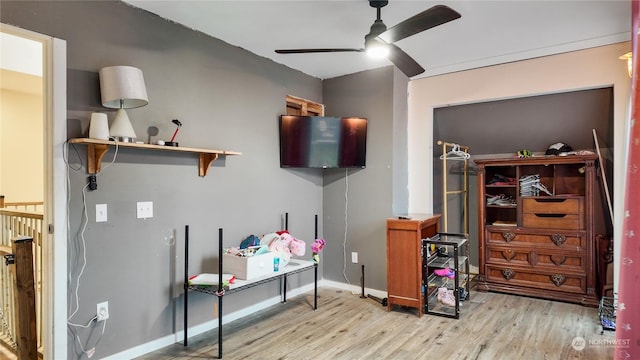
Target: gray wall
{"points": [[377, 96], [226, 98]]}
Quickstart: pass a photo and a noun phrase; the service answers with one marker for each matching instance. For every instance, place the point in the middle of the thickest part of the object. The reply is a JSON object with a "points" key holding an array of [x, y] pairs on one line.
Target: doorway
{"points": [[32, 136]]}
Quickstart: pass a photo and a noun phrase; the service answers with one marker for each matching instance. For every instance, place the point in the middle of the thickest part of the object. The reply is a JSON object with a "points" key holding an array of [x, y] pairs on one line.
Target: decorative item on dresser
{"points": [[404, 258], [535, 223]]}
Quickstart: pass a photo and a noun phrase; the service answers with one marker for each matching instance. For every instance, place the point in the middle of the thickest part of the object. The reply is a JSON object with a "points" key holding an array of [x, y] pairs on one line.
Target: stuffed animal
{"points": [[316, 247], [278, 246], [297, 246]]}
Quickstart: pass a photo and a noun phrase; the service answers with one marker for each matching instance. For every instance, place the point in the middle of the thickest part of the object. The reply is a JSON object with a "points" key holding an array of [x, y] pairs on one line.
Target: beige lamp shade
{"points": [[122, 87]]}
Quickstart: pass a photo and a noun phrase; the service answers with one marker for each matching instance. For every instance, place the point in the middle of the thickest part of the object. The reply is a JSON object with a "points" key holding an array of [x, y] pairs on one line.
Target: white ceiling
{"points": [[489, 32]]}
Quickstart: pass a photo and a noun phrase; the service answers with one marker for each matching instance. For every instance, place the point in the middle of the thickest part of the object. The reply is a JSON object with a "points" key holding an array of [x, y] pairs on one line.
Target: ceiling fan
{"points": [[379, 41]]}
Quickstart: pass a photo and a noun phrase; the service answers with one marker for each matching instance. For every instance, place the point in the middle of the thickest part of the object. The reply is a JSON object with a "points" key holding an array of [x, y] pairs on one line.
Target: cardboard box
{"points": [[246, 268]]}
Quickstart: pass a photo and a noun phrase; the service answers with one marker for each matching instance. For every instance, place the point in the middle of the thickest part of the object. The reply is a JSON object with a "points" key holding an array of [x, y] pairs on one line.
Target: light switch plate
{"points": [[145, 209], [101, 212]]}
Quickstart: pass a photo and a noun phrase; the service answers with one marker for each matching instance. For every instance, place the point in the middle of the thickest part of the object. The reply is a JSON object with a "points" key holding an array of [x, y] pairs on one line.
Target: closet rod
{"points": [[440, 142]]}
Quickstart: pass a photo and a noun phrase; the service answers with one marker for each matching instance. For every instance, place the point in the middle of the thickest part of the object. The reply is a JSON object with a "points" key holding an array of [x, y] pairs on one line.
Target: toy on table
{"points": [[316, 247]]}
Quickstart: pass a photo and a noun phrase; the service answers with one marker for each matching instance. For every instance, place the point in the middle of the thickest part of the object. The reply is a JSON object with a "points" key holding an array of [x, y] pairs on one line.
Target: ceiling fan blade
{"points": [[404, 62], [305, 51], [427, 19]]}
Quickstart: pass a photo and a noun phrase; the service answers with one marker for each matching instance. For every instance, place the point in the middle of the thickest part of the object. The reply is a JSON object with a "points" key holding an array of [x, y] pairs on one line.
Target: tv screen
{"points": [[322, 142]]}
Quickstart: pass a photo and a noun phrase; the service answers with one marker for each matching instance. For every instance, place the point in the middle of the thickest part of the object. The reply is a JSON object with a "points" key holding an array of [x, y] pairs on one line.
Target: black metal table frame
{"points": [[220, 292]]}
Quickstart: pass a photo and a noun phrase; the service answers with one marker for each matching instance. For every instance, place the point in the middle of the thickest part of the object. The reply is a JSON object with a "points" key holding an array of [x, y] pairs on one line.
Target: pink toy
{"points": [[445, 272], [297, 246], [316, 247], [280, 247]]}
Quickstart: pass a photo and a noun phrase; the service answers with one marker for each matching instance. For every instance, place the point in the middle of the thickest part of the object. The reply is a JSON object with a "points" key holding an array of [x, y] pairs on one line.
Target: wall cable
{"points": [[82, 230], [346, 226]]}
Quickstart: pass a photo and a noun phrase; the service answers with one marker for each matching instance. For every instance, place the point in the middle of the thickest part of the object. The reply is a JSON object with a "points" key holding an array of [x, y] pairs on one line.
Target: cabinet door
{"points": [[404, 259]]}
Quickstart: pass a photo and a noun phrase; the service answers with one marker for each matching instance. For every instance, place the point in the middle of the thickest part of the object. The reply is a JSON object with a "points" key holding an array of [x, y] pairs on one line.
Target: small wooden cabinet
{"points": [[404, 258], [535, 219]]}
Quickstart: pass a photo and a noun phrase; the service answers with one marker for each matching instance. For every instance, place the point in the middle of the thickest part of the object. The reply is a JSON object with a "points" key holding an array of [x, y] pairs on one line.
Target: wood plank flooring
{"points": [[345, 326]]}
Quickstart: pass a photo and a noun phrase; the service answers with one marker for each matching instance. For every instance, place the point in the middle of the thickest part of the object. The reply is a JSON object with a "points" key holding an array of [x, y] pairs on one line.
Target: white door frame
{"points": [[54, 76]]}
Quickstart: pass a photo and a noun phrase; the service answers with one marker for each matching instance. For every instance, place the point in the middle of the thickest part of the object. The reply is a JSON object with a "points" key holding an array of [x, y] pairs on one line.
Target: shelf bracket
{"points": [[204, 162], [95, 153]]}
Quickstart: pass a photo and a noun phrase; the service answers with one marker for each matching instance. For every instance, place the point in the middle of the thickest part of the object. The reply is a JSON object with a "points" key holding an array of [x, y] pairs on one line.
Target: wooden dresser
{"points": [[404, 258], [536, 228]]}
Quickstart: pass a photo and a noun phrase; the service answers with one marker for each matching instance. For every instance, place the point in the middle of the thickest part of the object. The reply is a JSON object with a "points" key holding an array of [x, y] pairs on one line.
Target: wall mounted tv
{"points": [[323, 142]]}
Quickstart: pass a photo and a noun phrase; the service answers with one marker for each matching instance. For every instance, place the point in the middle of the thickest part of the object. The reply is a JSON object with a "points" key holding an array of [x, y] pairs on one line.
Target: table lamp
{"points": [[122, 87]]}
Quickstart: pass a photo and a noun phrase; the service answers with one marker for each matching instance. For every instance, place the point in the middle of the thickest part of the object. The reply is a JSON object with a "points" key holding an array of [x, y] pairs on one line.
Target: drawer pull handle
{"points": [[558, 279], [558, 260], [508, 255], [508, 236], [550, 200], [555, 216], [508, 274], [558, 239]]}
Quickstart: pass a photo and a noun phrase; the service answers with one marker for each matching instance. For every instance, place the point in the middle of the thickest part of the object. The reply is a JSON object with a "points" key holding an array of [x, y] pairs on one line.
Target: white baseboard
{"points": [[356, 290], [206, 326], [213, 324]]}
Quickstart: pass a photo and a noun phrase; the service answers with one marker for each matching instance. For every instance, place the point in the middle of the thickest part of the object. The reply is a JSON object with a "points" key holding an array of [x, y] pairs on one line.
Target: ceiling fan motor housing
{"points": [[378, 4], [377, 28]]}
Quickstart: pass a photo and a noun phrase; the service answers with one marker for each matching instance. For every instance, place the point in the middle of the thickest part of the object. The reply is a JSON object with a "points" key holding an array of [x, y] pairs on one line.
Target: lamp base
{"points": [[121, 127], [124, 139]]}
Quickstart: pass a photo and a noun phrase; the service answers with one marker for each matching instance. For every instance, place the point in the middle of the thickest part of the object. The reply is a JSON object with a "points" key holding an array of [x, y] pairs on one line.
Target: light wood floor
{"points": [[491, 326]]}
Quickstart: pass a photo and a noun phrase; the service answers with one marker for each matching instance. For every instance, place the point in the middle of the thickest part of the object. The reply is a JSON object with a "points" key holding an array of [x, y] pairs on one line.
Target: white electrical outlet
{"points": [[102, 311], [101, 212], [354, 257], [145, 209]]}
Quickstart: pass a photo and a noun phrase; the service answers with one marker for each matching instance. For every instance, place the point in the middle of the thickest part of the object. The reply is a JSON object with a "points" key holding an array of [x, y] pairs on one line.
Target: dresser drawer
{"points": [[553, 221], [574, 241], [537, 278], [572, 261], [553, 213], [552, 205]]}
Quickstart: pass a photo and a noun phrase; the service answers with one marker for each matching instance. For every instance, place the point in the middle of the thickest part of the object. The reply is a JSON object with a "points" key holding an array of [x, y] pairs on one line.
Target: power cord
{"points": [[346, 226], [92, 350], [93, 185]]}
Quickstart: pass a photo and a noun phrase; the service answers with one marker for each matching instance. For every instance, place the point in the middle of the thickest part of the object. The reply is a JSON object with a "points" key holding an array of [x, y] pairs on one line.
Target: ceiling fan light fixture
{"points": [[378, 52], [377, 49]]}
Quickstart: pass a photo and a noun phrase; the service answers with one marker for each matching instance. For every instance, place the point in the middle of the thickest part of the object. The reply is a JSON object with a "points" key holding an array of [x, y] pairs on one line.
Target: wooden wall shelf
{"points": [[96, 149]]}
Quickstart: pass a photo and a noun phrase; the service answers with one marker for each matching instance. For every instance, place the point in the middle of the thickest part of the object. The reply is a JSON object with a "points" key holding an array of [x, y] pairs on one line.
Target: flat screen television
{"points": [[323, 142]]}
